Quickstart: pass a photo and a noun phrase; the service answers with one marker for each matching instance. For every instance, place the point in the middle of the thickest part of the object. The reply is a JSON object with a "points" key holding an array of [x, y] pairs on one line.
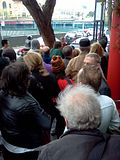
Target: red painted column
{"points": [[114, 57]]}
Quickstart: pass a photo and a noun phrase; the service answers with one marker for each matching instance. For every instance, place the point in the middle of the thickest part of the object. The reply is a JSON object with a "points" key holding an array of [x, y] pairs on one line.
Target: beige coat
{"points": [[74, 65]]}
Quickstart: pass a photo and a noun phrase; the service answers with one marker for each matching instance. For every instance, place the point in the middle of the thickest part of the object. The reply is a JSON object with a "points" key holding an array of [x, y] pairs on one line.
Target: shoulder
{"points": [[113, 152], [106, 101], [73, 60]]}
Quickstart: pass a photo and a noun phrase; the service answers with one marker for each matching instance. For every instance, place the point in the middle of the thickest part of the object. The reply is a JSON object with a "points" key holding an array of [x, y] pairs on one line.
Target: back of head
{"points": [[29, 37], [90, 75], [80, 108], [57, 44], [35, 45], [46, 50], [10, 53], [84, 44], [14, 78], [97, 48], [34, 61], [67, 51], [4, 42], [75, 52], [57, 64], [103, 43]]}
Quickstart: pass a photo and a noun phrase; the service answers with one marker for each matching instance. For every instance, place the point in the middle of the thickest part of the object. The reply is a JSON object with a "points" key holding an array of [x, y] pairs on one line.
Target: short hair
{"points": [[95, 56], [90, 75], [10, 53], [97, 48], [35, 44], [75, 52], [67, 51], [3, 42], [80, 107], [57, 44], [14, 78], [103, 43]]}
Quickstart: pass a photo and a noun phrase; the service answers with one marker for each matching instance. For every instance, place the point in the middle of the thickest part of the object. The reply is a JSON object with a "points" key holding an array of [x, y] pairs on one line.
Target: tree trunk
{"points": [[42, 17]]}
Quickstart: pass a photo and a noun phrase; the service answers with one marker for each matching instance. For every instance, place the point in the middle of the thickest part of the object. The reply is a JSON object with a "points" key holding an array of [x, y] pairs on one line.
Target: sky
{"points": [[74, 4]]}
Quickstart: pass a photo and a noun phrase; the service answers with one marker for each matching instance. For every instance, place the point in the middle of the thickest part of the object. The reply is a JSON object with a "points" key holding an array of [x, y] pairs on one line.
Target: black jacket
{"points": [[78, 145], [44, 89], [23, 121]]}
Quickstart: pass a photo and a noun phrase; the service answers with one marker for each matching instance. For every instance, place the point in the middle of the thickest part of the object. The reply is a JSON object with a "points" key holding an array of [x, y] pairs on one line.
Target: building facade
{"points": [[12, 9]]}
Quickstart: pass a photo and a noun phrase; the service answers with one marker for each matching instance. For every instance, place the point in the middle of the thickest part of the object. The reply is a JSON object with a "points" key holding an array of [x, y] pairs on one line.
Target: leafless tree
{"points": [[42, 16]]}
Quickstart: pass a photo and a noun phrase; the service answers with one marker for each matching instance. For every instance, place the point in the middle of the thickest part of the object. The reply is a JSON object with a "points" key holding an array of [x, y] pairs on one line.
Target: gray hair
{"points": [[80, 107], [35, 44]]}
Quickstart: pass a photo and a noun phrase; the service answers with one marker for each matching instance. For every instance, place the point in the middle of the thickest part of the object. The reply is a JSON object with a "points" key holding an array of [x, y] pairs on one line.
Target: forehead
{"points": [[89, 60]]}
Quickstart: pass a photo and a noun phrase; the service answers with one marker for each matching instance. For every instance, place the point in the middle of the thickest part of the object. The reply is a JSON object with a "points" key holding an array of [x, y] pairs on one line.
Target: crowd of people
{"points": [[63, 86]]}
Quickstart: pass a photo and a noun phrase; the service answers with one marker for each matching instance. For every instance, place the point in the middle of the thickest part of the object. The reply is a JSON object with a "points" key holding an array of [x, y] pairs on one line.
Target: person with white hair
{"points": [[81, 110]]}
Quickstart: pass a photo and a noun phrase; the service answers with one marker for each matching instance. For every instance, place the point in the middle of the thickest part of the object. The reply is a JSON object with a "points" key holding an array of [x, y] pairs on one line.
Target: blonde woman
{"points": [[43, 87]]}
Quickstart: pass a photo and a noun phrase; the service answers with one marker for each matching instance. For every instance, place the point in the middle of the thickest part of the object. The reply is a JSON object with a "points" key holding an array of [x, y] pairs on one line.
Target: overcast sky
{"points": [[74, 4]]}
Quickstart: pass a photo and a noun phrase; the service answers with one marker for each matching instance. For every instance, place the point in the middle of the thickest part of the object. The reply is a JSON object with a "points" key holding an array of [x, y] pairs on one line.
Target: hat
{"points": [[84, 42], [57, 64]]}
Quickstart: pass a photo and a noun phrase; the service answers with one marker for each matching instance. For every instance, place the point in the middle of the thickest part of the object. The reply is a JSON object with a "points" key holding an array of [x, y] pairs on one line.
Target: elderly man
{"points": [[81, 110], [76, 63]]}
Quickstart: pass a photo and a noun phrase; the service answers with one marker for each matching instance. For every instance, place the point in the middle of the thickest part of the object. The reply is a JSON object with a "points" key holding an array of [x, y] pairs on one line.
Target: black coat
{"points": [[78, 145], [23, 121], [45, 89]]}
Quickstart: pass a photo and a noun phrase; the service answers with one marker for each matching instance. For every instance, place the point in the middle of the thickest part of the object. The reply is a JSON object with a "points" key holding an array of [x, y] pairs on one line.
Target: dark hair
{"points": [[14, 79], [103, 43], [3, 42], [67, 51], [57, 44], [10, 53], [29, 37]]}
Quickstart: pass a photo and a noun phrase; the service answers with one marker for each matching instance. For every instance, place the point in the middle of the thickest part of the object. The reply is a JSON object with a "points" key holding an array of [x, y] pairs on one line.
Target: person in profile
{"points": [[82, 140]]}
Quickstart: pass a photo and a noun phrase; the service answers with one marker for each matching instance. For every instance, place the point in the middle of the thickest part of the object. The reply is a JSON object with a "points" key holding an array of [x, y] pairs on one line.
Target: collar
{"points": [[90, 132]]}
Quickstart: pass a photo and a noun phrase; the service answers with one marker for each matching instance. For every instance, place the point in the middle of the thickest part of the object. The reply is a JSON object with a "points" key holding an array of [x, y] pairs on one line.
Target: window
{"points": [[4, 5], [9, 5]]}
